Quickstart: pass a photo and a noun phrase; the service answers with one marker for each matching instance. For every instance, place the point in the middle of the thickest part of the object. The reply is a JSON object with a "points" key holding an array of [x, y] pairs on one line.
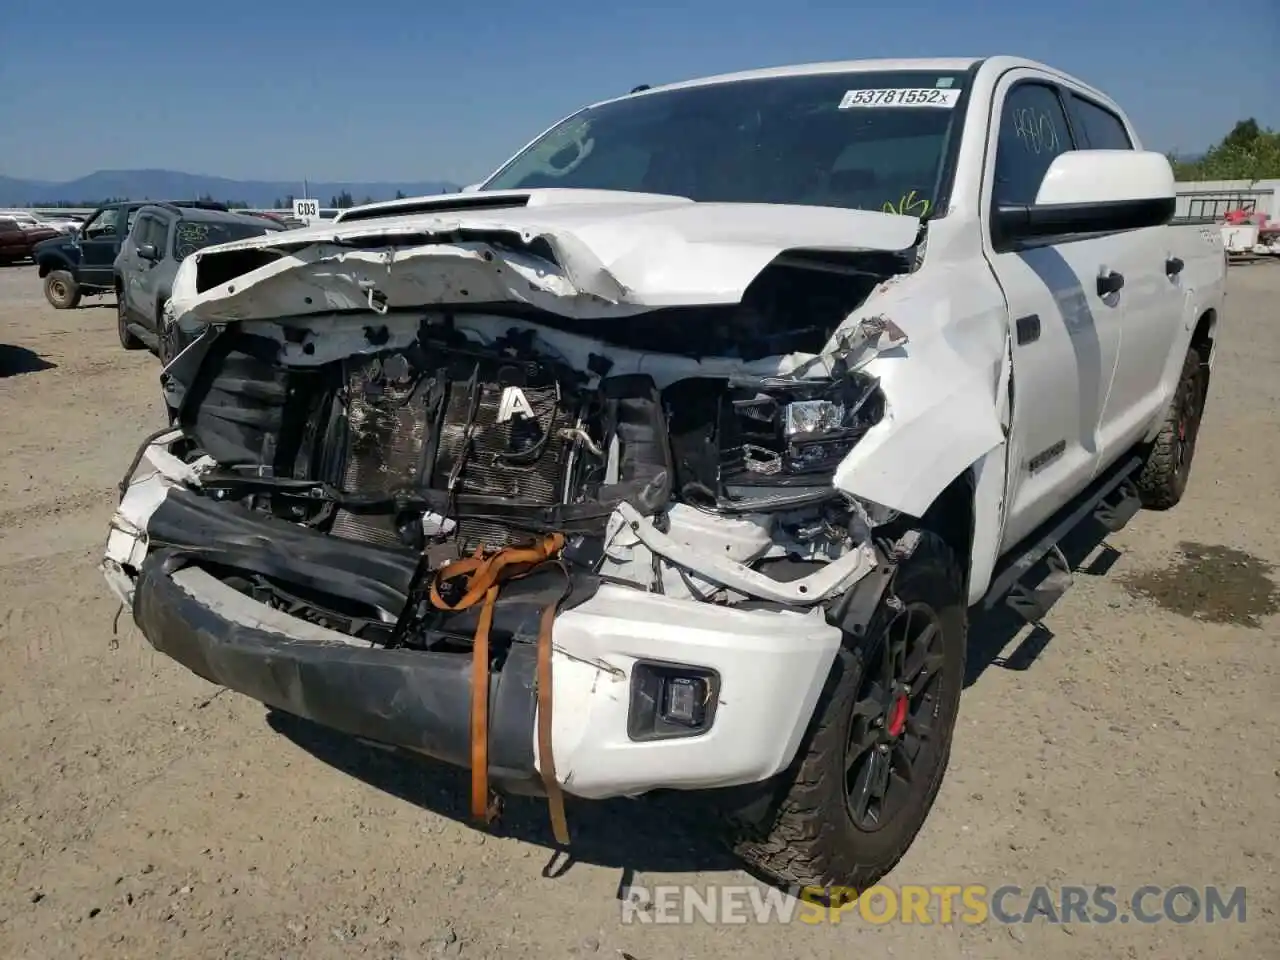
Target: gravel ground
{"points": [[143, 814]]}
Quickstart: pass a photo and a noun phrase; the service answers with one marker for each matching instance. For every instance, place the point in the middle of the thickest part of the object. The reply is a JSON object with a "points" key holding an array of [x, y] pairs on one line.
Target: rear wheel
{"points": [[127, 339], [1164, 475], [61, 290], [880, 740]]}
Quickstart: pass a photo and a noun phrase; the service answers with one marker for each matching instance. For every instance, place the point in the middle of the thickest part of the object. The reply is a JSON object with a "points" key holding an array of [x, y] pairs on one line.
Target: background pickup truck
{"points": [[82, 263], [18, 241], [806, 366]]}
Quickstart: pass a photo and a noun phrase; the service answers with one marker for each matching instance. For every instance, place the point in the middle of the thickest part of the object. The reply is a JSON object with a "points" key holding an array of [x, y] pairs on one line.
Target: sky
{"points": [[403, 90]]}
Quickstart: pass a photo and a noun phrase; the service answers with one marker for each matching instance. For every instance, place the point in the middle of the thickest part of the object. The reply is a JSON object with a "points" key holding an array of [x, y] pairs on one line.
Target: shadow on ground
{"points": [[655, 834], [658, 834], [991, 633], [18, 360]]}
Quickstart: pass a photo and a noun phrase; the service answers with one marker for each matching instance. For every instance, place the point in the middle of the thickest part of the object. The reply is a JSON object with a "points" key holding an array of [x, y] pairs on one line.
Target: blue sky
{"points": [[400, 90]]}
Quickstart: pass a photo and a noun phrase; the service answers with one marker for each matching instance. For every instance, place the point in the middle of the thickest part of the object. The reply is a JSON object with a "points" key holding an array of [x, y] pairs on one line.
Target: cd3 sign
{"points": [[306, 209]]}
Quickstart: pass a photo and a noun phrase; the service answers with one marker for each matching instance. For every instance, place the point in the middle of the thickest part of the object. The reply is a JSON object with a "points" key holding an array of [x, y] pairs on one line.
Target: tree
{"points": [[1244, 133], [1248, 152]]}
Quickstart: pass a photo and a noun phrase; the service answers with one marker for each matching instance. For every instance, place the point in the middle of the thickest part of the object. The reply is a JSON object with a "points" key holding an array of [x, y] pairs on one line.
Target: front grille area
{"points": [[503, 434], [519, 459], [387, 428]]}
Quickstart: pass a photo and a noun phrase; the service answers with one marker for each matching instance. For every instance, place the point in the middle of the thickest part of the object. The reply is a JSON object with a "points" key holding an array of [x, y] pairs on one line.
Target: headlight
{"points": [[802, 429], [812, 416]]}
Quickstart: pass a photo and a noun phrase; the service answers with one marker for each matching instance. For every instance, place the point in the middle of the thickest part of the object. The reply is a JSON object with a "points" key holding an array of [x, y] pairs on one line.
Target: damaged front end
{"points": [[342, 435]]}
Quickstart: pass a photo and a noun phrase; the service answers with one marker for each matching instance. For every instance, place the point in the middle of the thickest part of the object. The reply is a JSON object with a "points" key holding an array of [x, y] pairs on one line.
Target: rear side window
{"points": [[1099, 128], [1033, 131]]}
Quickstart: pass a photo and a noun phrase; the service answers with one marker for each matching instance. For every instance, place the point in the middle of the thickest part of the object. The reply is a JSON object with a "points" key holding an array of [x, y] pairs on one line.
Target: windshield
{"points": [[193, 235], [874, 141]]}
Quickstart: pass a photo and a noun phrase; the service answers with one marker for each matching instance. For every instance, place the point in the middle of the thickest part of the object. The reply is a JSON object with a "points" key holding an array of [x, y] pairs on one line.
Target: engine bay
{"points": [[437, 435]]}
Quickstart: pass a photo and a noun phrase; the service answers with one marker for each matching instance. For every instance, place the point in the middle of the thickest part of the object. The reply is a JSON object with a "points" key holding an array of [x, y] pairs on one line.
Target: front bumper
{"points": [[419, 701], [771, 664]]}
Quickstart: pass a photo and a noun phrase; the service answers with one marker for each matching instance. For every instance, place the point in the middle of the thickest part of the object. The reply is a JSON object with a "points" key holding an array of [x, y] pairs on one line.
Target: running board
{"points": [[1032, 603], [1112, 500], [1119, 507]]}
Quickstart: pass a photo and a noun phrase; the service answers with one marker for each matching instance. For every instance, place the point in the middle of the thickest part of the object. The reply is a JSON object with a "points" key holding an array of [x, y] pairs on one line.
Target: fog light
{"points": [[671, 700], [684, 700]]}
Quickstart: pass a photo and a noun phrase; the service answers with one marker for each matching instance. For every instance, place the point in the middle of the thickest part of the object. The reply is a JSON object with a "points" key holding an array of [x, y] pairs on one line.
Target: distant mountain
{"points": [[172, 185]]}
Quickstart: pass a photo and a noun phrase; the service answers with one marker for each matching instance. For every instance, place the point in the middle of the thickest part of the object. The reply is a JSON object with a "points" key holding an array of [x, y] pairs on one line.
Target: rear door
{"points": [[1065, 333], [1154, 294]]}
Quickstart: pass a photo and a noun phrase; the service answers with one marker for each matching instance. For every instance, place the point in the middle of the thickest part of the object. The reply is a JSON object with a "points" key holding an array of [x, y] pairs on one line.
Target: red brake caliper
{"points": [[898, 716]]}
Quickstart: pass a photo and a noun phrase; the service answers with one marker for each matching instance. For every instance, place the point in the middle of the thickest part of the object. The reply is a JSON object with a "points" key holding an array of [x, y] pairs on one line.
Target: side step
{"points": [[1112, 500], [1118, 507], [1032, 603]]}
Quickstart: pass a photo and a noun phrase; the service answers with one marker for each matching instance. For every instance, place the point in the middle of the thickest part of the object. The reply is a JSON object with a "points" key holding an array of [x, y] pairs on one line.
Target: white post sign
{"points": [[306, 210]]}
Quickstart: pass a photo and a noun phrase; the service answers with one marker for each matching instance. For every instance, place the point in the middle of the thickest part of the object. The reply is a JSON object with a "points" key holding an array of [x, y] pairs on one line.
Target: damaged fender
{"points": [[947, 412]]}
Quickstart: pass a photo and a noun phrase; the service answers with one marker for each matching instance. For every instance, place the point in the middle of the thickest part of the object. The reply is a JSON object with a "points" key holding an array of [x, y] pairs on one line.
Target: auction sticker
{"points": [[900, 97]]}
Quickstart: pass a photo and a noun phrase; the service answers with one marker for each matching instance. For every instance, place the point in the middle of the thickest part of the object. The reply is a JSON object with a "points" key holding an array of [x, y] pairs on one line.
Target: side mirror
{"points": [[1092, 191], [147, 251]]}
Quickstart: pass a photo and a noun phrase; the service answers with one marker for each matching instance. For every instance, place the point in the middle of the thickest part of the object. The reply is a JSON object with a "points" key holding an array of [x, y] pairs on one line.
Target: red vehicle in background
{"points": [[1247, 233], [17, 241]]}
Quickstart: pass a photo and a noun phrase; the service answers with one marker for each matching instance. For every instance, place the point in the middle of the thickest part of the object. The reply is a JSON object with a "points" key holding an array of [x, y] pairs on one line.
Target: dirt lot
{"points": [[143, 814]]}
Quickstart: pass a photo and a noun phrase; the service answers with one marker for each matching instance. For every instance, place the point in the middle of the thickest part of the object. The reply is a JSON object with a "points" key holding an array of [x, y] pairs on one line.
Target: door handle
{"points": [[1110, 282], [1173, 266]]}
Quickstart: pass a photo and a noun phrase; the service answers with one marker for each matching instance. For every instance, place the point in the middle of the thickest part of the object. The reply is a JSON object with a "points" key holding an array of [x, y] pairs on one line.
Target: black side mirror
{"points": [[147, 251]]}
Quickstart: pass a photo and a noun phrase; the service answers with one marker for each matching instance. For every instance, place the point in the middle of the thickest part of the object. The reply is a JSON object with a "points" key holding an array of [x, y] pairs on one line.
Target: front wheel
{"points": [[61, 290], [880, 741]]}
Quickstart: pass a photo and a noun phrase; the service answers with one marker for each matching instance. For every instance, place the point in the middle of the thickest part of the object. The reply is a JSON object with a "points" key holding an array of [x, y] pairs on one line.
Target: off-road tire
{"points": [[61, 290], [127, 339], [813, 840], [1164, 474]]}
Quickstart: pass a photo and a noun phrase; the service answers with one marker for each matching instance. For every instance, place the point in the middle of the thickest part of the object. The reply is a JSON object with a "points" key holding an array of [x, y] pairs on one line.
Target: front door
{"points": [[1065, 325], [99, 243]]}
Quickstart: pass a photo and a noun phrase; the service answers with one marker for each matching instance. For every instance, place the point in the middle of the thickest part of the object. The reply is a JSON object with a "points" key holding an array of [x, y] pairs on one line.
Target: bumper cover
{"points": [[771, 664], [419, 701]]}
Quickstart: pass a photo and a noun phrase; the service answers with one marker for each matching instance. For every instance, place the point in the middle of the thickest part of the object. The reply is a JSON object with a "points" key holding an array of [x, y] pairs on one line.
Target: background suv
{"points": [[162, 236]]}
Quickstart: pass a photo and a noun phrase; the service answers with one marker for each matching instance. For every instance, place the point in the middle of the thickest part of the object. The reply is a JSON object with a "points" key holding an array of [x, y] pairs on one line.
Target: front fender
{"points": [[904, 463], [50, 260], [906, 466]]}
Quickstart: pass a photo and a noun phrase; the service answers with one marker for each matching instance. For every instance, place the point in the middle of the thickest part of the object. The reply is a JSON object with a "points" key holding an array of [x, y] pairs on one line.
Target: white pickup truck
{"points": [[775, 378]]}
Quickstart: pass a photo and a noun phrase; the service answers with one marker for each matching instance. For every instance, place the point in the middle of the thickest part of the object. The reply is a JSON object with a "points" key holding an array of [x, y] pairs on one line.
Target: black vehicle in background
{"points": [[161, 236], [80, 264]]}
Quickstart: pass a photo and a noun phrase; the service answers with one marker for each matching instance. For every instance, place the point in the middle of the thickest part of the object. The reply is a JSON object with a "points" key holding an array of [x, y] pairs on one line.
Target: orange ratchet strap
{"points": [[482, 578]]}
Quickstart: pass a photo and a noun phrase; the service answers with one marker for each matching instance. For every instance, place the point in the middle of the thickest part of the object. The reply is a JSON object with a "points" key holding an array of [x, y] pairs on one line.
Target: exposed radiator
{"points": [[519, 459], [517, 453], [388, 428]]}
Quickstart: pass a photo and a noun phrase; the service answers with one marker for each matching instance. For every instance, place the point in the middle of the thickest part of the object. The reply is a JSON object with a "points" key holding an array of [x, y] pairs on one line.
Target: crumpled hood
{"points": [[577, 253]]}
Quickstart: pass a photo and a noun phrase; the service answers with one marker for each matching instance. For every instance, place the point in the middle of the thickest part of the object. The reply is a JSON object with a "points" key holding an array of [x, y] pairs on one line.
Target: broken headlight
{"points": [[801, 430]]}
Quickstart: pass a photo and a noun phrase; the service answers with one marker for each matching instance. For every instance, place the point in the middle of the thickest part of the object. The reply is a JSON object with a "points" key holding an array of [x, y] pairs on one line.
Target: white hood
{"points": [[602, 253]]}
